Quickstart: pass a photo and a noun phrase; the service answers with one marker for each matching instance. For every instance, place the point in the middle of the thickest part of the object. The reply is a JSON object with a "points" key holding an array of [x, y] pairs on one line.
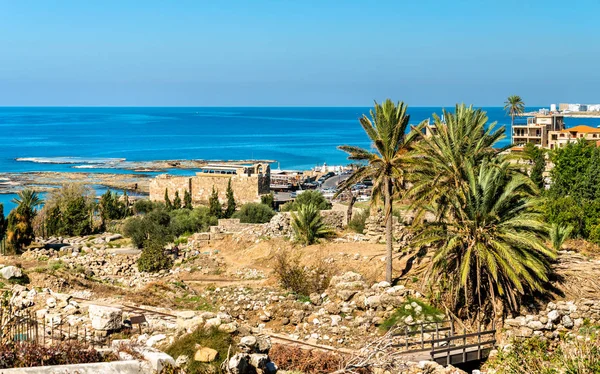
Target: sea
{"points": [[81, 138]]}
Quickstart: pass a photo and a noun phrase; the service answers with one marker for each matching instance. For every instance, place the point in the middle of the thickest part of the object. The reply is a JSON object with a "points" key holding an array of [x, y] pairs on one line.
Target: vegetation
{"points": [[168, 203], [514, 106], [558, 235], [488, 236], [574, 196], [305, 198], [534, 355], [177, 201], [112, 207], [214, 205], [536, 156], [27, 354], [185, 221], [186, 345], [302, 280], [231, 205], [254, 213], [187, 200], [144, 206], [387, 165], [153, 257], [154, 226], [2, 223], [19, 228], [308, 225], [416, 309], [268, 200], [295, 360], [358, 221], [67, 211]]}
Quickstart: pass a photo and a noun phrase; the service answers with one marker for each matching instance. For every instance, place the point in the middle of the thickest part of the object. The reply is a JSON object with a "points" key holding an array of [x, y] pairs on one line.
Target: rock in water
{"points": [[105, 318]]}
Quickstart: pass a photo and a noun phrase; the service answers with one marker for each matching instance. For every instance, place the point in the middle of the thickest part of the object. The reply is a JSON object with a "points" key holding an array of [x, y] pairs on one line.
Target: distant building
{"points": [[535, 129], [553, 107], [594, 108], [561, 138], [563, 106], [249, 183], [574, 108]]}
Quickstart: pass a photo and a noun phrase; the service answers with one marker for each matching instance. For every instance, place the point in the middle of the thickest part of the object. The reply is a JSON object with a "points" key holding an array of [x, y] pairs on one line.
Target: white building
{"points": [[594, 108], [553, 107], [574, 107]]}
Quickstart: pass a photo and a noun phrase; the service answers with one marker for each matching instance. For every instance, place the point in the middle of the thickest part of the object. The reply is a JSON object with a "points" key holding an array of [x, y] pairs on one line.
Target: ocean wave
{"points": [[69, 160]]}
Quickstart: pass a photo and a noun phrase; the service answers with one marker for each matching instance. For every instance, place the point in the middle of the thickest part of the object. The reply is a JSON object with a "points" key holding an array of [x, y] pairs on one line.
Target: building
{"points": [[535, 129], [561, 138], [249, 183], [563, 106]]}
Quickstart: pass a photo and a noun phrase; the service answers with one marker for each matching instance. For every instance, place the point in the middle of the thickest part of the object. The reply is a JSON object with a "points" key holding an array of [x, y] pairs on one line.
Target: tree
{"points": [[187, 200], [254, 213], [386, 165], [177, 201], [437, 171], [154, 226], [268, 200], [315, 198], [514, 106], [75, 218], [536, 156], [308, 225], [231, 205], [490, 249], [168, 203], [153, 257], [214, 205], [571, 165], [20, 220], [112, 207], [2, 223]]}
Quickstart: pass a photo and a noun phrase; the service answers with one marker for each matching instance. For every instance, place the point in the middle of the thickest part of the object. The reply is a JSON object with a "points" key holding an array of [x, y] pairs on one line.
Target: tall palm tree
{"points": [[438, 169], [491, 250], [385, 165], [514, 106]]}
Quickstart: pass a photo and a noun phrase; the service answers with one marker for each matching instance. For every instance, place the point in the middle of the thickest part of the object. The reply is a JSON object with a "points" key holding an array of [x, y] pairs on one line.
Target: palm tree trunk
{"points": [[388, 228]]}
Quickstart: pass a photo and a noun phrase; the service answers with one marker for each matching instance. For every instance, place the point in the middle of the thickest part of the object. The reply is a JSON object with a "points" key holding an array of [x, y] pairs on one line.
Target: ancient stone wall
{"points": [[245, 188], [558, 317]]}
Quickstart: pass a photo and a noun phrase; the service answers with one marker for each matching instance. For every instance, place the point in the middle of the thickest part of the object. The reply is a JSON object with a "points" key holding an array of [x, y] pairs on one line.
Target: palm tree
{"points": [[27, 200], [20, 220], [514, 106], [490, 251], [387, 129], [559, 235], [438, 169], [308, 225]]}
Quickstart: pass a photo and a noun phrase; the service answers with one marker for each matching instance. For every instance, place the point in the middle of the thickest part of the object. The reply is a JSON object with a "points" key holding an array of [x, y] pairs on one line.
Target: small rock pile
{"points": [[562, 316]]}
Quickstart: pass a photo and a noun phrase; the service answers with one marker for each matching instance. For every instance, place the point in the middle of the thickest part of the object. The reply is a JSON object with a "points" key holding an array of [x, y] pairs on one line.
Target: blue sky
{"points": [[340, 53]]}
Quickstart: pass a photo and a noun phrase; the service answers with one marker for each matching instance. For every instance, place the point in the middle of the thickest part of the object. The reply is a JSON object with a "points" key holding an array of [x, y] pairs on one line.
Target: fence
{"points": [[23, 326]]}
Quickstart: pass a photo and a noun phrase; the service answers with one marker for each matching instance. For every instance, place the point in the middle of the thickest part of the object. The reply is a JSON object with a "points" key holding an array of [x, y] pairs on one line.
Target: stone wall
{"points": [[375, 229], [558, 317], [246, 188]]}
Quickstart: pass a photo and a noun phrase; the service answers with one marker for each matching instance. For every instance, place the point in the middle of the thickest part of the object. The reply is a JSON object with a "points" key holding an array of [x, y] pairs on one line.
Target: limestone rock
{"points": [[105, 318], [206, 354], [9, 272]]}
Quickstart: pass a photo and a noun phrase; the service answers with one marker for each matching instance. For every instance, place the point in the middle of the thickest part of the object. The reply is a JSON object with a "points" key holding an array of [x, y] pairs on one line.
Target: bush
{"points": [[154, 258], [308, 225], [185, 221], [291, 358], [268, 200], [145, 206], [186, 345], [306, 198], [154, 225], [535, 355], [302, 280], [26, 354], [358, 221], [254, 213], [417, 309]]}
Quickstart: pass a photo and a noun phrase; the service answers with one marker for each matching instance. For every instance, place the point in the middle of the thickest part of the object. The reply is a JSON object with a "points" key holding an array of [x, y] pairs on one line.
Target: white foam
{"points": [[69, 160]]}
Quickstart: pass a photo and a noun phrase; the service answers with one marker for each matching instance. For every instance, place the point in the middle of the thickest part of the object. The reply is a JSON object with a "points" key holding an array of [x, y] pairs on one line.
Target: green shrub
{"points": [[417, 309], [358, 221], [145, 206], [308, 225], [254, 213], [186, 345], [185, 221], [307, 198], [268, 200], [154, 225], [153, 257]]}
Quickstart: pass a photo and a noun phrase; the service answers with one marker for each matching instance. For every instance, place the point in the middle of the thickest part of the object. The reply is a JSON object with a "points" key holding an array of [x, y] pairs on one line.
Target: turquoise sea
{"points": [[39, 138]]}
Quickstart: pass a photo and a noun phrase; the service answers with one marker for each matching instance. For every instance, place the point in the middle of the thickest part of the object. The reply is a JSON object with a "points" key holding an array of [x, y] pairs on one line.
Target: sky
{"points": [[297, 52]]}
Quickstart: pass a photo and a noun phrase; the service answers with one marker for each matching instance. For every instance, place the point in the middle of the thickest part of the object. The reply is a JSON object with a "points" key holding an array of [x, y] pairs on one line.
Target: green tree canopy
{"points": [[231, 204], [214, 205], [254, 213]]}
